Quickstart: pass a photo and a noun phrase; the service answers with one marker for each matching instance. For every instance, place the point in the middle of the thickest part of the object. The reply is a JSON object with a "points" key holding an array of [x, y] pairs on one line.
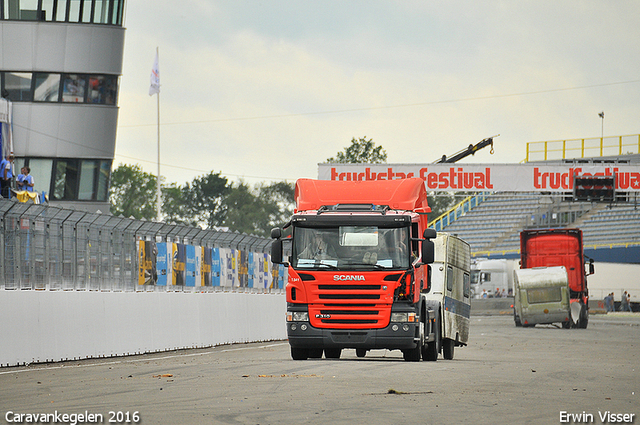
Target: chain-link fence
{"points": [[49, 248]]}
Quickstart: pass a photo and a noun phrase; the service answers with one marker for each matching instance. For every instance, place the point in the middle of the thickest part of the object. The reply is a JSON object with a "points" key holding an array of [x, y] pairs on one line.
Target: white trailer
{"points": [[449, 292], [487, 276]]}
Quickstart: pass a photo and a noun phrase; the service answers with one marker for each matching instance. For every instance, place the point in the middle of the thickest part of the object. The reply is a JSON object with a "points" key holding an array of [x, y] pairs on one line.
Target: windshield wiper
{"points": [[331, 266], [377, 266]]}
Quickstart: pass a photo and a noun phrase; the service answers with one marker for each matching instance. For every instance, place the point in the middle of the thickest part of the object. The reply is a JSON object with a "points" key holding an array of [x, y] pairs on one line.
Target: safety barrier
{"points": [[583, 148], [77, 285], [49, 248]]}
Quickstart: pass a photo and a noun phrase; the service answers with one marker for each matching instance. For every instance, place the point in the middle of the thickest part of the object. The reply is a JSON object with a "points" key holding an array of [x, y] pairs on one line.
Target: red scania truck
{"points": [[358, 269], [560, 247]]}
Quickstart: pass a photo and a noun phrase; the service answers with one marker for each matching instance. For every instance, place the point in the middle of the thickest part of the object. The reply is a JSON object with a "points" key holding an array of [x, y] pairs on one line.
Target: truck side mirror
{"points": [[276, 233], [430, 233], [276, 251], [428, 252], [592, 268]]}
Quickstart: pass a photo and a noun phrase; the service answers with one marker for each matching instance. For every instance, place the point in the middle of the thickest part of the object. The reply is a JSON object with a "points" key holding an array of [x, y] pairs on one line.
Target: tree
{"points": [[361, 151], [279, 202], [244, 211], [174, 205], [133, 192], [205, 199]]}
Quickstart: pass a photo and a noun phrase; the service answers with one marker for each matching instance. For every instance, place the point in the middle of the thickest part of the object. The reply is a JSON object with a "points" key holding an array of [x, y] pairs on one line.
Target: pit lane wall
{"points": [[77, 285], [46, 326]]}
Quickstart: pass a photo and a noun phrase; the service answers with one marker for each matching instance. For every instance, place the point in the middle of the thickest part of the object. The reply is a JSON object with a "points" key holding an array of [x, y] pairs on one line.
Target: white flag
{"points": [[155, 77]]}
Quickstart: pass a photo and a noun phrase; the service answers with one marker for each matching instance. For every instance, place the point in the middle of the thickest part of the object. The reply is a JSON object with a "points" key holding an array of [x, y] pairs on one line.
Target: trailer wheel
{"points": [[298, 353], [447, 348], [361, 352], [332, 353]]}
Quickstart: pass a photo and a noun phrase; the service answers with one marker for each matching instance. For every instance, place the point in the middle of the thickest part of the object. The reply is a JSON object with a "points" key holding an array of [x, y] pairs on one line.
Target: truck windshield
{"points": [[351, 248]]}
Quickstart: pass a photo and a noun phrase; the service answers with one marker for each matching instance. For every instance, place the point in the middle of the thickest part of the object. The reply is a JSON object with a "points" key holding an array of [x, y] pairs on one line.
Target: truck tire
{"points": [[332, 353], [516, 319], [315, 353], [584, 317], [447, 348], [298, 353], [361, 352], [412, 355], [430, 349]]}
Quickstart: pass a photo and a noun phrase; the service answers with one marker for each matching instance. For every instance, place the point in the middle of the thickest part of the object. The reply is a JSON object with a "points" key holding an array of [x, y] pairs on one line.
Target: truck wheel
{"points": [[584, 317], [315, 353], [298, 353], [447, 349], [361, 352], [516, 319], [412, 355], [430, 349], [332, 353]]}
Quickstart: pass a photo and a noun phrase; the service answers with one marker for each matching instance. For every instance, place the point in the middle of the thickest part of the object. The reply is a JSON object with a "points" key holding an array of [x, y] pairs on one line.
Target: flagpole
{"points": [[158, 196]]}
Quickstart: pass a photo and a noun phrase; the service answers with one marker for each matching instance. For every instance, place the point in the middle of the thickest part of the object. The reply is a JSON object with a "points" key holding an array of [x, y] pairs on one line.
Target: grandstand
{"points": [[491, 223]]}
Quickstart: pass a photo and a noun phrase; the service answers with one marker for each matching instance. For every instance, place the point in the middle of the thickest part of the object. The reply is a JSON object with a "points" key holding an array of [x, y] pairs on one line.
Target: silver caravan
{"points": [[542, 297], [450, 291]]}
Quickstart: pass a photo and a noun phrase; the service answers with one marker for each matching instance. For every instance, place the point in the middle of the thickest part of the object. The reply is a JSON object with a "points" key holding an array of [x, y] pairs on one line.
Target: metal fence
{"points": [[49, 248]]}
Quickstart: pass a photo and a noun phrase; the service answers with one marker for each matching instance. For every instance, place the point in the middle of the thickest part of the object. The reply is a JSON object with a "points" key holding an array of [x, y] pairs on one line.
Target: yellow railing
{"points": [[457, 211], [583, 148]]}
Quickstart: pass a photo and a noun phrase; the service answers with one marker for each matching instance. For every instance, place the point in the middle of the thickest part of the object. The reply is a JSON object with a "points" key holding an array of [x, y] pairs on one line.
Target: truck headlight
{"points": [[403, 317], [297, 316]]}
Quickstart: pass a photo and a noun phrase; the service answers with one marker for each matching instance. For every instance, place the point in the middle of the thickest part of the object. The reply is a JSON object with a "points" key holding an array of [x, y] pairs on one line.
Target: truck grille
{"points": [[348, 306]]}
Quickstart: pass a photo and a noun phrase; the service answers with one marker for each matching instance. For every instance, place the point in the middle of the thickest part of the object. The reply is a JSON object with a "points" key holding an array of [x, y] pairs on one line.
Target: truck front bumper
{"points": [[396, 336]]}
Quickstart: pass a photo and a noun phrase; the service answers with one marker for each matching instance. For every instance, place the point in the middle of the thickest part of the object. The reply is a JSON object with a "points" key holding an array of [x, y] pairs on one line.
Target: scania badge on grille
{"points": [[323, 316]]}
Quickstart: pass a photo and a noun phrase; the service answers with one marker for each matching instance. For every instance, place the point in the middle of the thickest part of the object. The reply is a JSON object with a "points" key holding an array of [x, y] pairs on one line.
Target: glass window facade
{"points": [[107, 12], [55, 87], [70, 179], [17, 86], [47, 87]]}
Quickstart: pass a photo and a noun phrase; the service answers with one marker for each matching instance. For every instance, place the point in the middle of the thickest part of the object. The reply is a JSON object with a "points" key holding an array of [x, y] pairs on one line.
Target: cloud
{"points": [[268, 90]]}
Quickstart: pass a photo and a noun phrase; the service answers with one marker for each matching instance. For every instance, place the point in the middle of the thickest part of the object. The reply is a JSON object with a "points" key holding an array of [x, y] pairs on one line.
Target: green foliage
{"points": [[133, 192], [256, 211], [207, 201], [361, 151]]}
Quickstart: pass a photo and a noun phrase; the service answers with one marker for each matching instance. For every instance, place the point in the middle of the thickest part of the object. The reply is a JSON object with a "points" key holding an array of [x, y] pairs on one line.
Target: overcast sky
{"points": [[265, 90]]}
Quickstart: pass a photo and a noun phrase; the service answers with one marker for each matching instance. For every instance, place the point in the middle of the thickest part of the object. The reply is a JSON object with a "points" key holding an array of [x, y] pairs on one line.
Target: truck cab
{"points": [[359, 255]]}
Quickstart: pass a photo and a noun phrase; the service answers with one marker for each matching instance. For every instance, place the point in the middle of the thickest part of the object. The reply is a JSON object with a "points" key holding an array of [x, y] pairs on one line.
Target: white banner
{"points": [[487, 177]]}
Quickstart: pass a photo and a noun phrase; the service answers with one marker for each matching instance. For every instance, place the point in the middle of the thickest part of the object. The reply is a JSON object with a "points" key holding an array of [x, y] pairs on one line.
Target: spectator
{"points": [[20, 180], [27, 179], [607, 303], [6, 175], [624, 302]]}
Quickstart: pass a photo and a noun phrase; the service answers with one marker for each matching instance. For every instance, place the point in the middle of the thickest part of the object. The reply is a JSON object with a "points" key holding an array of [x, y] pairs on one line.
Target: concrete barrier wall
{"points": [[43, 326]]}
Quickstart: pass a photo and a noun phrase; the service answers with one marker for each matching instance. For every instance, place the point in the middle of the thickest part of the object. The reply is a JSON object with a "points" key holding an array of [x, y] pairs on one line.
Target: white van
{"points": [[450, 292]]}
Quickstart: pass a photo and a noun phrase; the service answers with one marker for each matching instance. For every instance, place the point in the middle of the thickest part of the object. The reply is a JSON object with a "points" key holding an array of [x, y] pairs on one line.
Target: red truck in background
{"points": [[358, 269], [560, 247]]}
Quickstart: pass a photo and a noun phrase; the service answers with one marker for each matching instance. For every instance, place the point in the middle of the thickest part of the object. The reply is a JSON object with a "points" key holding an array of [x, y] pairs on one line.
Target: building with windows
{"points": [[60, 64]]}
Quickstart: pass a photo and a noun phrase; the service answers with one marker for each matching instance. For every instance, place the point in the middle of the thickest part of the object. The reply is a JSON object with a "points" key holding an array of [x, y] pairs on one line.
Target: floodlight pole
{"points": [[158, 196], [158, 204]]}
